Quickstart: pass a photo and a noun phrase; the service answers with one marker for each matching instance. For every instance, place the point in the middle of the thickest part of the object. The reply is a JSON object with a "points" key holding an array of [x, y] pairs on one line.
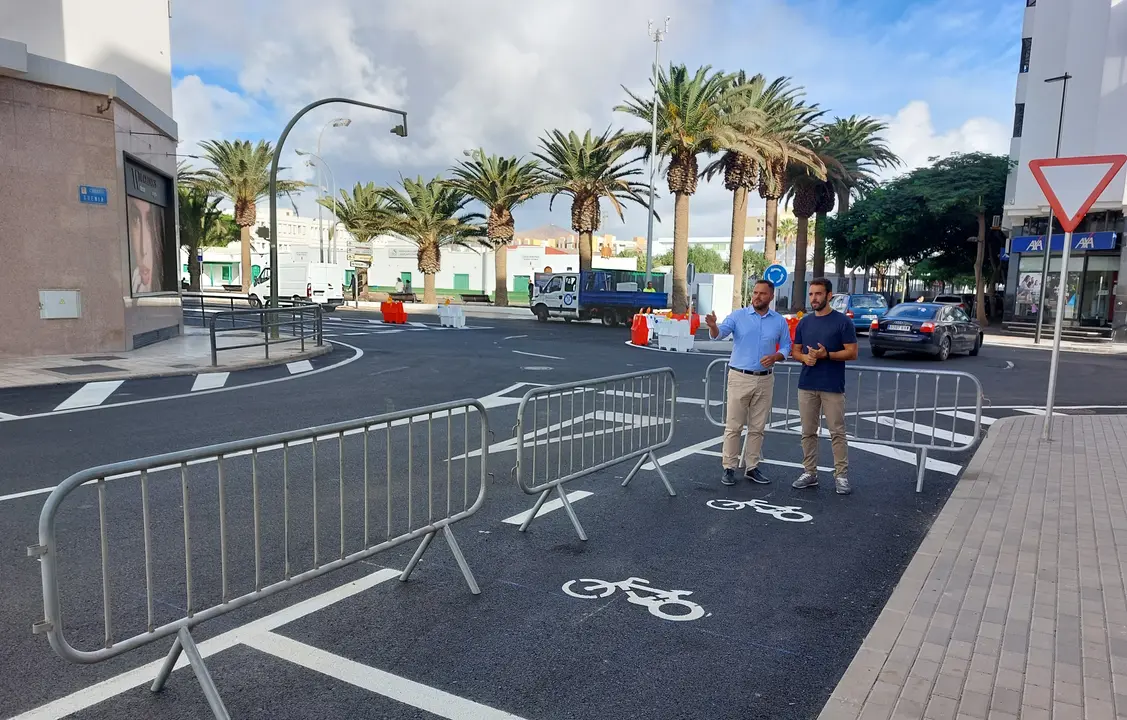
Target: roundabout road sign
{"points": [[775, 274]]}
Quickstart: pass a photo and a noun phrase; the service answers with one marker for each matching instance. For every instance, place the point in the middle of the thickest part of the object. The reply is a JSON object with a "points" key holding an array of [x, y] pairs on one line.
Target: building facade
{"points": [[1085, 40], [88, 243]]}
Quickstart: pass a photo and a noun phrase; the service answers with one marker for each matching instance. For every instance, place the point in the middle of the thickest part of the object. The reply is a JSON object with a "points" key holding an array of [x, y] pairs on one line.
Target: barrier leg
{"points": [[637, 467], [657, 466], [168, 666], [535, 509], [921, 470], [571, 512], [209, 690], [416, 557], [461, 559]]}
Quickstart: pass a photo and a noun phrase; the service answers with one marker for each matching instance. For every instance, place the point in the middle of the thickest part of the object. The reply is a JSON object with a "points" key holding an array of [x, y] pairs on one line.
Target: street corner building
{"points": [[1071, 100], [88, 242]]}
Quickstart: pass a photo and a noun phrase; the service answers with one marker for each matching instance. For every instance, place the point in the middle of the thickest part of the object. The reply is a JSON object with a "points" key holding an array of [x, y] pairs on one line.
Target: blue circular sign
{"points": [[775, 274], [567, 299]]}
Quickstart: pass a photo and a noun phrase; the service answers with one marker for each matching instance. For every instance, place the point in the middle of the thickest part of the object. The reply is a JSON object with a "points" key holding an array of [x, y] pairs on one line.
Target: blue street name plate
{"points": [[93, 195]]}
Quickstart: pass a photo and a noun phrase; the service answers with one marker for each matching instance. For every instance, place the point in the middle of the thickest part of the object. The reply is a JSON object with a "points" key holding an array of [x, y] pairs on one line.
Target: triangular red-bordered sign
{"points": [[1070, 222]]}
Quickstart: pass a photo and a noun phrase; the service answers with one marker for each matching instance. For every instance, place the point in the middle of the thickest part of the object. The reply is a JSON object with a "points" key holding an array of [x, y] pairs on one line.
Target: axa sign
{"points": [[1080, 241]]}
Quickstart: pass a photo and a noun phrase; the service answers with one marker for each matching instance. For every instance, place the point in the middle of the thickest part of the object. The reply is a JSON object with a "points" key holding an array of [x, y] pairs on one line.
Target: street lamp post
{"points": [[657, 35], [400, 130], [338, 122], [321, 168], [1049, 235]]}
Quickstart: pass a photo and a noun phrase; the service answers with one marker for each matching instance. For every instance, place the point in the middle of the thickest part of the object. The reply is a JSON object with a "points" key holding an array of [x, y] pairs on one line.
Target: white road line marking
{"points": [[354, 334], [1038, 411], [409, 692], [359, 354], [1009, 365], [697, 401], [547, 507], [514, 337], [907, 456], [120, 684], [207, 381], [780, 463], [90, 394], [549, 357], [6, 416], [684, 452], [385, 332], [922, 430], [967, 416], [299, 367], [418, 324]]}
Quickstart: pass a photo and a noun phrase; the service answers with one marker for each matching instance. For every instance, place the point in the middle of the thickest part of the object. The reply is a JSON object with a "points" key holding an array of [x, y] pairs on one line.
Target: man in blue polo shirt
{"points": [[761, 339], [823, 342]]}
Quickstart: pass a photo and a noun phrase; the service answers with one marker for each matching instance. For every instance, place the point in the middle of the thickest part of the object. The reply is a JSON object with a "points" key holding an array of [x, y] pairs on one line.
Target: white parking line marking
{"points": [[6, 416], [119, 684], [418, 324], [923, 430], [385, 332], [207, 381], [90, 394], [514, 337], [547, 507], [967, 416], [424, 697], [549, 357], [299, 367]]}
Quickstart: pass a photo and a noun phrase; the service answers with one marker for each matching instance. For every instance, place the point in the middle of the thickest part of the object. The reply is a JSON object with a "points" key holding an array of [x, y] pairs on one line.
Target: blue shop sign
{"points": [[1080, 241]]}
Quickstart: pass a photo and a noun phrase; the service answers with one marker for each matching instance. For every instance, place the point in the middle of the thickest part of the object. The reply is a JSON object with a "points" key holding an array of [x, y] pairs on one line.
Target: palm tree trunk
{"points": [[501, 274], [680, 300], [736, 248], [430, 295], [194, 268], [770, 234], [820, 245], [798, 294], [979, 280], [245, 272], [842, 208], [584, 251]]}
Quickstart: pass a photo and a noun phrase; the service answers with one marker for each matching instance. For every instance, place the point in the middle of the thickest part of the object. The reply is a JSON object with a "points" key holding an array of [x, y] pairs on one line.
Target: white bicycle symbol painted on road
{"points": [[786, 513], [665, 604]]}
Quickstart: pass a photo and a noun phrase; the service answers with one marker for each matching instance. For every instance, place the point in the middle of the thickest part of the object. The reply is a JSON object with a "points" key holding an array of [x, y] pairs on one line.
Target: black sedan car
{"points": [[925, 328]]}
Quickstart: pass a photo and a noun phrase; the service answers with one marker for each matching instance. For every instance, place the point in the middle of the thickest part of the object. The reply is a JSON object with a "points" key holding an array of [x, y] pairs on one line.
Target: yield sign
{"points": [[1071, 185]]}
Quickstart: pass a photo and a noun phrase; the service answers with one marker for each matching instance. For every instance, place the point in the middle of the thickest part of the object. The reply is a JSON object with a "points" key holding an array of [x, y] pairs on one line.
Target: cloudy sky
{"points": [[498, 73]]}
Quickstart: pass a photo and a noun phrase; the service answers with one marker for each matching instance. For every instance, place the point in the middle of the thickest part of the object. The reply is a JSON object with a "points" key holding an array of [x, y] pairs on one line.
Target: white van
{"points": [[321, 283]]}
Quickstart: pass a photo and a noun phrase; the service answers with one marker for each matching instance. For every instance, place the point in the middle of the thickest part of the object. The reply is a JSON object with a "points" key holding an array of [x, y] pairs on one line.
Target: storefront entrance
{"points": [[1089, 299]]}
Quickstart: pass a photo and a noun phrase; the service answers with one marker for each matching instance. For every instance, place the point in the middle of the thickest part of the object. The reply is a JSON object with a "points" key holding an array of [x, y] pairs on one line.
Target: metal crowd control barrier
{"points": [[181, 543], [568, 431], [883, 406], [299, 322]]}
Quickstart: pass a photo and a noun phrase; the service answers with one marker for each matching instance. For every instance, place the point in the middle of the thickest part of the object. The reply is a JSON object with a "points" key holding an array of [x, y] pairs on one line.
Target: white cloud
{"points": [[208, 111], [912, 135]]}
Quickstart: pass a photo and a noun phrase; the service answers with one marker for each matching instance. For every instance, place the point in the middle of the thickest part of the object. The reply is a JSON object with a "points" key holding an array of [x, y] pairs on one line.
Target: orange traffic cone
{"points": [[640, 331]]}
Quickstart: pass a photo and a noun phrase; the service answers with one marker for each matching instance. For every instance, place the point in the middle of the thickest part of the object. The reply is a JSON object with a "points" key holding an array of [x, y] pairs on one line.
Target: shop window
{"points": [[152, 239]]}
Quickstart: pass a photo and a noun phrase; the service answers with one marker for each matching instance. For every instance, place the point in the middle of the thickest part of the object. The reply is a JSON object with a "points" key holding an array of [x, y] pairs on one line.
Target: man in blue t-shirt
{"points": [[823, 342]]}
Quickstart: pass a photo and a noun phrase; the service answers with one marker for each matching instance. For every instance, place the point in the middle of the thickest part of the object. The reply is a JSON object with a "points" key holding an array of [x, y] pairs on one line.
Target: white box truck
{"points": [[322, 283]]}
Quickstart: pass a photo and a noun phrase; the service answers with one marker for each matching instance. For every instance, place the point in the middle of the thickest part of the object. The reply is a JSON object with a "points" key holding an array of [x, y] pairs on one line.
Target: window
{"points": [[1026, 52], [554, 285], [913, 311], [959, 315], [569, 284], [1019, 119], [869, 302], [1030, 3]]}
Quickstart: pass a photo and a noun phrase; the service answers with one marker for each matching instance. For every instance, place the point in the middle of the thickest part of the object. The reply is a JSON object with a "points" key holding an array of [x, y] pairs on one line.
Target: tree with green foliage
{"points": [[933, 214], [364, 214], [202, 223]]}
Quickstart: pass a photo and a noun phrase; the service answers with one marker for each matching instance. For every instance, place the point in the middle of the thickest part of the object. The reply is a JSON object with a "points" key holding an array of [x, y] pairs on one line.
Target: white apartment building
{"points": [[1087, 41]]}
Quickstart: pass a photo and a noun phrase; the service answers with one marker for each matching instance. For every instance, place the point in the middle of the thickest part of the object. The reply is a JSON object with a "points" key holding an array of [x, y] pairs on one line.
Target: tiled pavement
{"points": [[1014, 606], [187, 354]]}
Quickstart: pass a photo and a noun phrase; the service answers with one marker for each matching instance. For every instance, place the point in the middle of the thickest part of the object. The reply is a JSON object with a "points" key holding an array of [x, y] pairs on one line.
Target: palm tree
{"points": [[776, 104], [240, 173], [704, 113], [432, 215], [500, 184], [787, 229], [588, 169], [364, 214], [198, 214], [860, 151]]}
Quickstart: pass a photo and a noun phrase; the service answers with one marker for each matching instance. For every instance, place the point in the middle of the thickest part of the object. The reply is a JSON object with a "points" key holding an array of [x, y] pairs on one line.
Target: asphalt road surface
{"points": [[743, 602]]}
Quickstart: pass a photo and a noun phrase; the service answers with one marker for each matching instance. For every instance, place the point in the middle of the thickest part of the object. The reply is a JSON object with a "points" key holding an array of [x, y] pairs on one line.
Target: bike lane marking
{"points": [[786, 513], [547, 507], [654, 602]]}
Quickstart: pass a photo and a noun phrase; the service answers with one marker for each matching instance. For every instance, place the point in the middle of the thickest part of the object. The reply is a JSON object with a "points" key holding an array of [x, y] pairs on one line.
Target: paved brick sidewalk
{"points": [[1014, 606]]}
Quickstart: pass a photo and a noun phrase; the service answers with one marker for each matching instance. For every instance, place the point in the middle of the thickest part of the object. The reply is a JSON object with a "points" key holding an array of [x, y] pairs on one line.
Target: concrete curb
{"points": [[1065, 346], [177, 372]]}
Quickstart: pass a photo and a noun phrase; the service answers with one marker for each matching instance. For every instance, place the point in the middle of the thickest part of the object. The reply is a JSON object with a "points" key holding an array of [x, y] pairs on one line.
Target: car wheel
{"points": [[610, 317], [254, 302], [944, 349], [542, 313], [977, 345], [878, 352]]}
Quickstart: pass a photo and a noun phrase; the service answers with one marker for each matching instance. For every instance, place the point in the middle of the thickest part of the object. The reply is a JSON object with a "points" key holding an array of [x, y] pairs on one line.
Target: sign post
{"points": [[1071, 185], [776, 275]]}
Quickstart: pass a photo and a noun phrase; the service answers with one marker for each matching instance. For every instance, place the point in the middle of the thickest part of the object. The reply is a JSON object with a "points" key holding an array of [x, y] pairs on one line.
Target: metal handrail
{"points": [[269, 319]]}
